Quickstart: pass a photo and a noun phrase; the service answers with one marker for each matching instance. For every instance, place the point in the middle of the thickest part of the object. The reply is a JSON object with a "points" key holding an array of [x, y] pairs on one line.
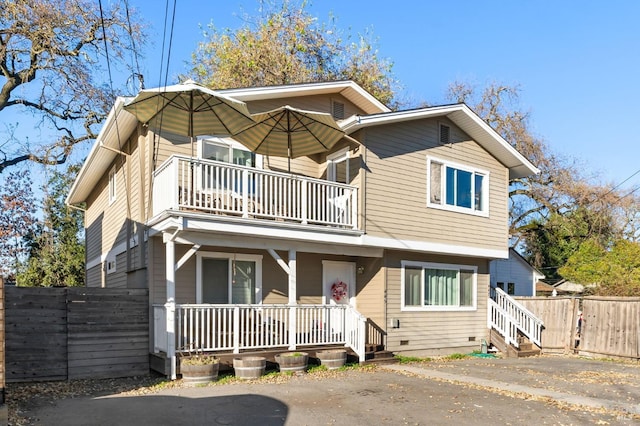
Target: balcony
{"points": [[223, 189]]}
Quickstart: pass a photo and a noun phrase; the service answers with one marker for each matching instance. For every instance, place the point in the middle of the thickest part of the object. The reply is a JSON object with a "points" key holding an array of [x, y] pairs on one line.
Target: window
{"points": [[500, 286], [456, 187], [228, 278], [511, 288], [434, 286], [110, 265], [338, 167], [226, 150], [112, 185]]}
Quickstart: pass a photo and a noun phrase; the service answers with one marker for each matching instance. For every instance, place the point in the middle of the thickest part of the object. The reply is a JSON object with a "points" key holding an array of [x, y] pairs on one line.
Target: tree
{"points": [[56, 247], [17, 217], [286, 45], [52, 58], [615, 270]]}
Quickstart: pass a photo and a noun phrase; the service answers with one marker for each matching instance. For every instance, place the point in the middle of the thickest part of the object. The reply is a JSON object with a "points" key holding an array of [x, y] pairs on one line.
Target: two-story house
{"points": [[385, 239]]}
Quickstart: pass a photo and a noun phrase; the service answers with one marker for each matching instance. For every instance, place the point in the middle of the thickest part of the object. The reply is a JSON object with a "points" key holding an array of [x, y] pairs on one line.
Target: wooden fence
{"points": [[76, 333], [611, 325]]}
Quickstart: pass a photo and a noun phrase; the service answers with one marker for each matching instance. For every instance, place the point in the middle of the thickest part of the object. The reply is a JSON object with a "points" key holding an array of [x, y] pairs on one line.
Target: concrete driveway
{"points": [[541, 390]]}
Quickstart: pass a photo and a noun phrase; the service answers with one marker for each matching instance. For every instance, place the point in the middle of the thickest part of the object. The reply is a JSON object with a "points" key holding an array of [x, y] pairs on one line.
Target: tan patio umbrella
{"points": [[290, 132], [189, 109]]}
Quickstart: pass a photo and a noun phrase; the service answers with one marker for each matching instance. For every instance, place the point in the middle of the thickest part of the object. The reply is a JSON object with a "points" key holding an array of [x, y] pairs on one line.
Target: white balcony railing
{"points": [[233, 328], [216, 187]]}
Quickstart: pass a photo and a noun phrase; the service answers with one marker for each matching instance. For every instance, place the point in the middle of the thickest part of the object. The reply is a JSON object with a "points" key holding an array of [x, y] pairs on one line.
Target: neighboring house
{"points": [[514, 275], [385, 239]]}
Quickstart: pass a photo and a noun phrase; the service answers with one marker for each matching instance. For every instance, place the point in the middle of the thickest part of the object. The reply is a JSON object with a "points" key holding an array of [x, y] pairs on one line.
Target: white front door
{"points": [[338, 282]]}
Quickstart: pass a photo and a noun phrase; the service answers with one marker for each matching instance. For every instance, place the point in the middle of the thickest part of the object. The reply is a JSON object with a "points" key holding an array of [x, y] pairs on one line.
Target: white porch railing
{"points": [[508, 316], [238, 327], [216, 187]]}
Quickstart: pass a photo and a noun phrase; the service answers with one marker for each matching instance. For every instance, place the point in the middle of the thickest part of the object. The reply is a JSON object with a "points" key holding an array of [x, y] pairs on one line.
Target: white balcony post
{"points": [[236, 329], [292, 300], [304, 201], [245, 193], [170, 306]]}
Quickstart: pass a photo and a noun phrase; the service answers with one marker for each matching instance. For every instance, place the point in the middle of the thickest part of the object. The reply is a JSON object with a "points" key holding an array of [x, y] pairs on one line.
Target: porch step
{"points": [[380, 357], [525, 349]]}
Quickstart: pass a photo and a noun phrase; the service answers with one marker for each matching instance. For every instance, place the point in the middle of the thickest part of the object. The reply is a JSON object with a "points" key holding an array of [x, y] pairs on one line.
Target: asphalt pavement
{"points": [[540, 390]]}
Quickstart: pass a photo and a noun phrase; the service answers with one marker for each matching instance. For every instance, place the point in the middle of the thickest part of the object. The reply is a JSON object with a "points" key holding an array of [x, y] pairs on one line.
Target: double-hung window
{"points": [[455, 187], [437, 286]]}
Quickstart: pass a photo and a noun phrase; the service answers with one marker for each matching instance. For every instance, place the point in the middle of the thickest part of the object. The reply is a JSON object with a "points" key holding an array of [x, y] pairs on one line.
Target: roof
{"points": [[349, 89], [117, 128], [515, 255], [120, 124], [465, 119]]}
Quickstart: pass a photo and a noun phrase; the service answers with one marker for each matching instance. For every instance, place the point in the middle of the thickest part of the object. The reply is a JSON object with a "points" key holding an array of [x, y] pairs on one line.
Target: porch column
{"points": [[292, 301], [170, 305]]}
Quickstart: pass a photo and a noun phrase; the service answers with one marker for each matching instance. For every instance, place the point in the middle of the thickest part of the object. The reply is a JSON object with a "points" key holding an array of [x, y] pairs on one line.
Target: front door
{"points": [[338, 283]]}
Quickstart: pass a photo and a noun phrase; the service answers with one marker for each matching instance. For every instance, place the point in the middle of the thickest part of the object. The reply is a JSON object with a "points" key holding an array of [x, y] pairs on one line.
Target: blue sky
{"points": [[576, 62]]}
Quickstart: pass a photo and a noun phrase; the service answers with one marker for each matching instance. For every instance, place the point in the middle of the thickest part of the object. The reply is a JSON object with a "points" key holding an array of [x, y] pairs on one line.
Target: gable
{"points": [[463, 117]]}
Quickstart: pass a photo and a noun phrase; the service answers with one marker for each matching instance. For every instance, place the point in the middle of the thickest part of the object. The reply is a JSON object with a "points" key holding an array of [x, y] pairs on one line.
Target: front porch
{"points": [[233, 329]]}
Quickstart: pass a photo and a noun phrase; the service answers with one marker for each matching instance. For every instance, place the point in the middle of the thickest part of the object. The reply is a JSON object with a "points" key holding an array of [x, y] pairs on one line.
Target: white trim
{"points": [[349, 89], [229, 256], [432, 265], [443, 187], [342, 155], [431, 247], [283, 237]]}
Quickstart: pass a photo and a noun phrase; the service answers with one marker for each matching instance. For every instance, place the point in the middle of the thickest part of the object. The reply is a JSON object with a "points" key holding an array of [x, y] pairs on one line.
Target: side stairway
{"points": [[377, 354], [525, 347], [514, 330]]}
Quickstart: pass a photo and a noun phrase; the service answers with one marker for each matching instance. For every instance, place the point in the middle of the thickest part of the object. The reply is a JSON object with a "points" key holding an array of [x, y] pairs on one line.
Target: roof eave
{"points": [[116, 129], [347, 88]]}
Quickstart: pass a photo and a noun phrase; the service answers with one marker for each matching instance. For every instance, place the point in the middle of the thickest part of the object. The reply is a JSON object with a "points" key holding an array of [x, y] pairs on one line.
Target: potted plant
{"points": [[198, 368], [292, 361], [249, 367]]}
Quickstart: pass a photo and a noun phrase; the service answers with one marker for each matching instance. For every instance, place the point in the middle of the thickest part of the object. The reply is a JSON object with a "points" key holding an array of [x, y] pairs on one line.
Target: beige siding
{"points": [[109, 227], [396, 187], [321, 103], [435, 332], [371, 290]]}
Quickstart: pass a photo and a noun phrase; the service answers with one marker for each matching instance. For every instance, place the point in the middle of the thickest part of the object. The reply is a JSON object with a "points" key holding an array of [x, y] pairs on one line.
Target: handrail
{"points": [[220, 327], [508, 317], [215, 187]]}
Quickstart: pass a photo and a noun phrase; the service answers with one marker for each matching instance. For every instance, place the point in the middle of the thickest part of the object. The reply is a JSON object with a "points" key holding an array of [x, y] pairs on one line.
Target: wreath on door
{"points": [[339, 290]]}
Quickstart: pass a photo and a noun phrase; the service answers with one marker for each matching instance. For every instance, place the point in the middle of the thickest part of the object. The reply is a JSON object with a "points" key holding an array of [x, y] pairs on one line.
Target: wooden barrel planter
{"points": [[292, 362], [332, 358], [197, 372], [249, 367]]}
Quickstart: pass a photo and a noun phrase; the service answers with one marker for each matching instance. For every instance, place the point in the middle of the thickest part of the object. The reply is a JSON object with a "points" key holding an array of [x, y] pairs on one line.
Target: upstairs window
{"points": [[226, 150], [455, 187]]}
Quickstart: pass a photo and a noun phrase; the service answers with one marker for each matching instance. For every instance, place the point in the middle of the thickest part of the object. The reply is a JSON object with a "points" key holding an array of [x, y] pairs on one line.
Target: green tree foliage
{"points": [[56, 247], [615, 270], [285, 45], [52, 68], [17, 217]]}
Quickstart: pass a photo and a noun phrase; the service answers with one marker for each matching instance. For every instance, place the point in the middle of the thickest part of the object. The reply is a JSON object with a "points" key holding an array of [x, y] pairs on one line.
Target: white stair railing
{"points": [[508, 317]]}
